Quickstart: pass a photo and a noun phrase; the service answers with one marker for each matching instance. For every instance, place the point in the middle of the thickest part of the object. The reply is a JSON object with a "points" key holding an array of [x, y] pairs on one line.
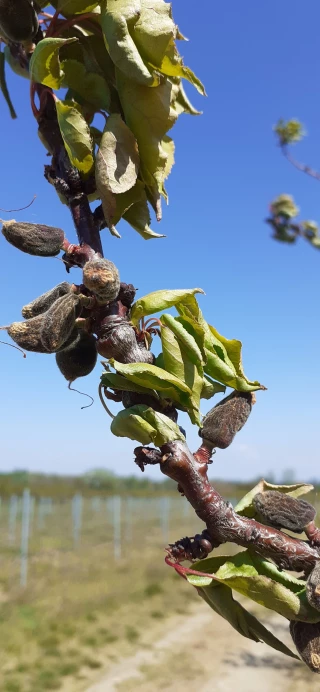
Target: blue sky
{"points": [[259, 61]]}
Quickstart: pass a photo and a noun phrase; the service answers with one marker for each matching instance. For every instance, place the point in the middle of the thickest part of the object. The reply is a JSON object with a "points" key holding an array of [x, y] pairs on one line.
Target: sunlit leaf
{"points": [[160, 300], [76, 136], [145, 425], [92, 87], [45, 66]]}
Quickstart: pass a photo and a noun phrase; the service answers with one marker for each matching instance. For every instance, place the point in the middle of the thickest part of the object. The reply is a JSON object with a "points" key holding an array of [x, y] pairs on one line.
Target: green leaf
{"points": [[174, 67], [68, 7], [130, 423], [4, 88], [149, 115], [76, 136], [233, 350], [181, 103], [154, 30], [138, 216], [120, 45], [160, 300], [186, 341], [176, 361], [245, 506], [241, 573], [117, 160], [150, 376], [145, 425], [92, 87], [220, 599], [115, 381], [210, 387], [45, 64]]}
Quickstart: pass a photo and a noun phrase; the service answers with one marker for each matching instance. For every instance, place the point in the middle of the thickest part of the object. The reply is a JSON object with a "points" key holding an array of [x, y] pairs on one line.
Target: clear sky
{"points": [[259, 61]]}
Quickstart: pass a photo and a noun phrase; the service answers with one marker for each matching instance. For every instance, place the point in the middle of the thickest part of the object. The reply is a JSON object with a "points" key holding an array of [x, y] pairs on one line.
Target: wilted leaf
{"points": [[120, 45], [15, 64], [145, 425], [154, 30], [219, 597], [246, 507], [45, 64], [4, 88], [160, 300], [241, 573], [115, 381], [138, 216], [176, 361], [149, 115], [117, 160], [91, 86], [76, 136], [150, 376], [174, 67], [186, 340], [210, 387], [181, 102]]}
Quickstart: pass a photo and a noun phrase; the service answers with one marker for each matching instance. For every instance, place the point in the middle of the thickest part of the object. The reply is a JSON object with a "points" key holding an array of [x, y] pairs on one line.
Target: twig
{"points": [[300, 166]]}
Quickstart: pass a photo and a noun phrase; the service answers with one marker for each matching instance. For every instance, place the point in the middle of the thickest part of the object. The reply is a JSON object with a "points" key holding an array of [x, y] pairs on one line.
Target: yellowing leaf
{"points": [[160, 300], [76, 6], [45, 65], [154, 30], [76, 136], [138, 216], [175, 68]]}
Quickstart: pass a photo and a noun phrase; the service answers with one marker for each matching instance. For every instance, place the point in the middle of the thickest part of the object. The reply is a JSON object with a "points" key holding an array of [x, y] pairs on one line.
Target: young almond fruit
{"points": [[221, 424], [78, 359], [18, 20], [102, 278], [313, 587], [44, 302], [28, 334], [306, 636], [34, 238], [59, 322], [283, 511]]}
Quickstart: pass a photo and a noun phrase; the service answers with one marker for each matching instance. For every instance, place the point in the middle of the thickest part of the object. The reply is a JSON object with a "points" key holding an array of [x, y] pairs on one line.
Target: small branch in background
{"points": [[303, 168]]}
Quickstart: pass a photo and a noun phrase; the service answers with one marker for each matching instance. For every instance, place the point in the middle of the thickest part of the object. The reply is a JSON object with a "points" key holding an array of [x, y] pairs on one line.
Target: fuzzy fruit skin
{"points": [[78, 359], [313, 587], [119, 342], [18, 20], [283, 511], [34, 238], [28, 334], [58, 322], [102, 278], [222, 423], [44, 302], [306, 636]]}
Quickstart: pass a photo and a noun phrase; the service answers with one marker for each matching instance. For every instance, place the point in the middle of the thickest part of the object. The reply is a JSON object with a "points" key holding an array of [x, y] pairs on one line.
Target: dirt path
{"points": [[201, 651]]}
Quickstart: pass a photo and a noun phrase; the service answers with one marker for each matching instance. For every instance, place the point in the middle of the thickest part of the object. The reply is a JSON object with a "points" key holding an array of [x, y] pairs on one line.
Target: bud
{"points": [[283, 511], [119, 342], [34, 238], [28, 334], [313, 587], [221, 424], [102, 278], [44, 302], [18, 20], [58, 322], [306, 636], [78, 359], [127, 294]]}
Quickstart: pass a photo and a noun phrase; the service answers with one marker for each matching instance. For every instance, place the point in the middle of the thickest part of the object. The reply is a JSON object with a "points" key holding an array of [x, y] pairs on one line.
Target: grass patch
{"points": [[132, 634]]}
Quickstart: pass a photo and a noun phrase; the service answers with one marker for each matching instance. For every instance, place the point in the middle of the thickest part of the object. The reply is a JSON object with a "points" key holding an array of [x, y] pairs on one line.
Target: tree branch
{"points": [[222, 522]]}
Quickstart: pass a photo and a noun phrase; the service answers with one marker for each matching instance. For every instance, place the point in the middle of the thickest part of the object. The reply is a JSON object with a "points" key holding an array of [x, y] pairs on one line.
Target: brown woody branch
{"points": [[222, 522]]}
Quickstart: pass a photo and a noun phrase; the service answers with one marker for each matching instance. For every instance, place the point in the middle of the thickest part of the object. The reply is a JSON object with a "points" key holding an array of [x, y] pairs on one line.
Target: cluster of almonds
{"points": [[56, 321]]}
